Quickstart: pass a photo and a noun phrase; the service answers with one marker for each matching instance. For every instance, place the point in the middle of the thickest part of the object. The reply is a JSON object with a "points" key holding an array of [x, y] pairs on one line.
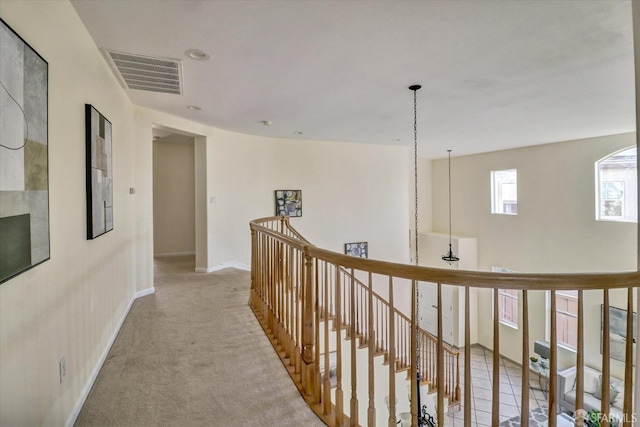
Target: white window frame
{"points": [[626, 191], [510, 296], [548, 318], [606, 199], [498, 203]]}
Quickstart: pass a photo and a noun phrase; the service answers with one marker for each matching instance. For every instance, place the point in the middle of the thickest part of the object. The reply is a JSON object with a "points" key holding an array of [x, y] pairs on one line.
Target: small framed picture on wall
{"points": [[289, 202], [359, 249]]}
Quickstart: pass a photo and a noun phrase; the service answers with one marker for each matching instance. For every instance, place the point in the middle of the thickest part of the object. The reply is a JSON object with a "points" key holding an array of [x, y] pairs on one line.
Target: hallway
{"points": [[193, 354]]}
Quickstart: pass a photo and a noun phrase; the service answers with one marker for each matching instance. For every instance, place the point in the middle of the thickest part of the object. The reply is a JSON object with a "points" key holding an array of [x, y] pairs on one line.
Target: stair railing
{"points": [[428, 342], [313, 306]]}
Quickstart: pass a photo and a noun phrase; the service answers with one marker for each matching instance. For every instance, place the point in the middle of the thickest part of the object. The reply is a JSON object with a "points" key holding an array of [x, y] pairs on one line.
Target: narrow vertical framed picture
{"points": [[24, 156], [289, 202], [99, 173]]}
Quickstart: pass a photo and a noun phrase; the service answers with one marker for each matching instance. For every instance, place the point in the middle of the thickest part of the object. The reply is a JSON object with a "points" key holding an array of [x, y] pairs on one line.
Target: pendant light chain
{"points": [[415, 189], [449, 257], [415, 88], [415, 167], [449, 197]]}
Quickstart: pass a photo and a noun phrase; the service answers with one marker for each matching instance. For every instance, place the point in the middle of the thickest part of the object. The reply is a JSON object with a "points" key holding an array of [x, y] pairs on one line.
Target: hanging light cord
{"points": [[415, 166], [449, 200], [415, 88], [450, 257]]}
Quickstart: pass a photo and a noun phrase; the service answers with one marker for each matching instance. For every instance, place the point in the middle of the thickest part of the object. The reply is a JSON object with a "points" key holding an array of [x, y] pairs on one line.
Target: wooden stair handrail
{"points": [[401, 314], [286, 266], [478, 279]]}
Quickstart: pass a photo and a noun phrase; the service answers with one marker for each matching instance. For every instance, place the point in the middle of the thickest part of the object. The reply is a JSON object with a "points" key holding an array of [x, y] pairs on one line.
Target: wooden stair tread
{"points": [[342, 328], [324, 319]]}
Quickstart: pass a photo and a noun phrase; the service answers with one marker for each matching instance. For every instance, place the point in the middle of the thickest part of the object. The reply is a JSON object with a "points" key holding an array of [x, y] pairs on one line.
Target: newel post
{"points": [[254, 265], [308, 317]]}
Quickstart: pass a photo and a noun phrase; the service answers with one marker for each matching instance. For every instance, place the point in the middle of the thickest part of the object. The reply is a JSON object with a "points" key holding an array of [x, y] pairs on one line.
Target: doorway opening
{"points": [[179, 181]]}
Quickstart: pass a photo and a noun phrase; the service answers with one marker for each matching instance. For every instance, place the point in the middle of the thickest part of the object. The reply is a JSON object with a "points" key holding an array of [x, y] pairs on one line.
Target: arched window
{"points": [[617, 186]]}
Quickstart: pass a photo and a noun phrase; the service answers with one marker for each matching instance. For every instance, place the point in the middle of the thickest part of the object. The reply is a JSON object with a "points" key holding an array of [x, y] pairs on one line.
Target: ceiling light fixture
{"points": [[194, 108], [298, 132], [450, 257], [197, 54], [266, 122]]}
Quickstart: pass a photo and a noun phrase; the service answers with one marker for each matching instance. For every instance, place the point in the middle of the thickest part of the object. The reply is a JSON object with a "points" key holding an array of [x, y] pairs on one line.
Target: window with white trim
{"points": [[504, 192], [617, 187], [566, 318], [507, 302]]}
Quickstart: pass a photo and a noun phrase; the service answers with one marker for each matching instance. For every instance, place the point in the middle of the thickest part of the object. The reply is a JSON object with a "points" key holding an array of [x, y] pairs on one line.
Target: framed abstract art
{"points": [[289, 202], [99, 174], [24, 156], [359, 249]]}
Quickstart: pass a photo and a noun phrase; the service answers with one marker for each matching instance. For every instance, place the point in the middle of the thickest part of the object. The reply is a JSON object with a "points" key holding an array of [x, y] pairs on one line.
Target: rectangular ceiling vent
{"points": [[146, 72]]}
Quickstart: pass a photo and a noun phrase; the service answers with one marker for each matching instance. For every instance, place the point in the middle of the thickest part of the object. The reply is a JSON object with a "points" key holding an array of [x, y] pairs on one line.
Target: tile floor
{"points": [[481, 389]]}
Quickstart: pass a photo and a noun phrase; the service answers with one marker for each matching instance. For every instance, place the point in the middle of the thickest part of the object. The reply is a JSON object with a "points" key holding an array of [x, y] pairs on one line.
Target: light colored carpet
{"points": [[194, 354]]}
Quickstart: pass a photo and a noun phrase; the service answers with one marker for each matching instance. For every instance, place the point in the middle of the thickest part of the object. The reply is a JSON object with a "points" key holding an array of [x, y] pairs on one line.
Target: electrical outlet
{"points": [[63, 368]]}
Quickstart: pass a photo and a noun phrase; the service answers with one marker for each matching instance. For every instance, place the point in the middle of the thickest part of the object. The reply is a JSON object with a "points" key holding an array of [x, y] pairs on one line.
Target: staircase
{"points": [[426, 341], [372, 339], [313, 302]]}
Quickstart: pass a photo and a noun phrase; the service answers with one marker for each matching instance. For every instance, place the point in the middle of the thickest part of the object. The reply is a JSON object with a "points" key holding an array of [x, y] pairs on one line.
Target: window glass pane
{"points": [[504, 192], [507, 302], [617, 186], [567, 318]]}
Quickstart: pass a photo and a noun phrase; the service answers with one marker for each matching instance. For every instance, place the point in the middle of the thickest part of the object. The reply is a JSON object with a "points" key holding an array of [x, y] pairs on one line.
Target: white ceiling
{"points": [[495, 74]]}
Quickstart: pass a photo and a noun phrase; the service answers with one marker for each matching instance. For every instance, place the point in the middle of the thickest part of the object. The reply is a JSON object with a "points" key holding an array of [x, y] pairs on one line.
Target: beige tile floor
{"points": [[482, 389]]}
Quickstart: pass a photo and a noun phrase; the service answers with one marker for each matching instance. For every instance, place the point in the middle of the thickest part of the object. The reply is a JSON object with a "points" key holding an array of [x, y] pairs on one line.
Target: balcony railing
{"points": [[333, 317]]}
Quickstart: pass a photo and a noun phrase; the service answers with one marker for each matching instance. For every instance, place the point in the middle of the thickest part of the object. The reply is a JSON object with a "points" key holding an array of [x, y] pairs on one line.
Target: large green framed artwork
{"points": [[24, 161], [99, 174]]}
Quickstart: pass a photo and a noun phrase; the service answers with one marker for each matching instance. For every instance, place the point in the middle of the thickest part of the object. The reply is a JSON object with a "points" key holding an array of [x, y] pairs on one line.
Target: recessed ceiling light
{"points": [[266, 122], [298, 132], [197, 54], [193, 107]]}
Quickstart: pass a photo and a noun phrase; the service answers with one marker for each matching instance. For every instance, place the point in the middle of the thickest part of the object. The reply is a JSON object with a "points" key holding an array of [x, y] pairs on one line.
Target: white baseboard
{"points": [[96, 370], [142, 293], [172, 254], [228, 264]]}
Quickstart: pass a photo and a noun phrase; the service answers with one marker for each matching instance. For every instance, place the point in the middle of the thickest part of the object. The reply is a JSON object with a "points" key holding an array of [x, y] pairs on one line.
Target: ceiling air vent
{"points": [[146, 72]]}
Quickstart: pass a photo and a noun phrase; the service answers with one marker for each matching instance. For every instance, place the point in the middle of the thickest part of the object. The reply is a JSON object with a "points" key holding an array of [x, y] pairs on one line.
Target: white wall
{"points": [[350, 192], [174, 200], [555, 229], [71, 305]]}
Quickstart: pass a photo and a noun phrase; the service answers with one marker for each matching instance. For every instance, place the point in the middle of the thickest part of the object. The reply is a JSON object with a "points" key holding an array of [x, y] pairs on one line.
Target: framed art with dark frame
{"points": [[24, 155], [289, 202], [359, 249], [99, 174]]}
